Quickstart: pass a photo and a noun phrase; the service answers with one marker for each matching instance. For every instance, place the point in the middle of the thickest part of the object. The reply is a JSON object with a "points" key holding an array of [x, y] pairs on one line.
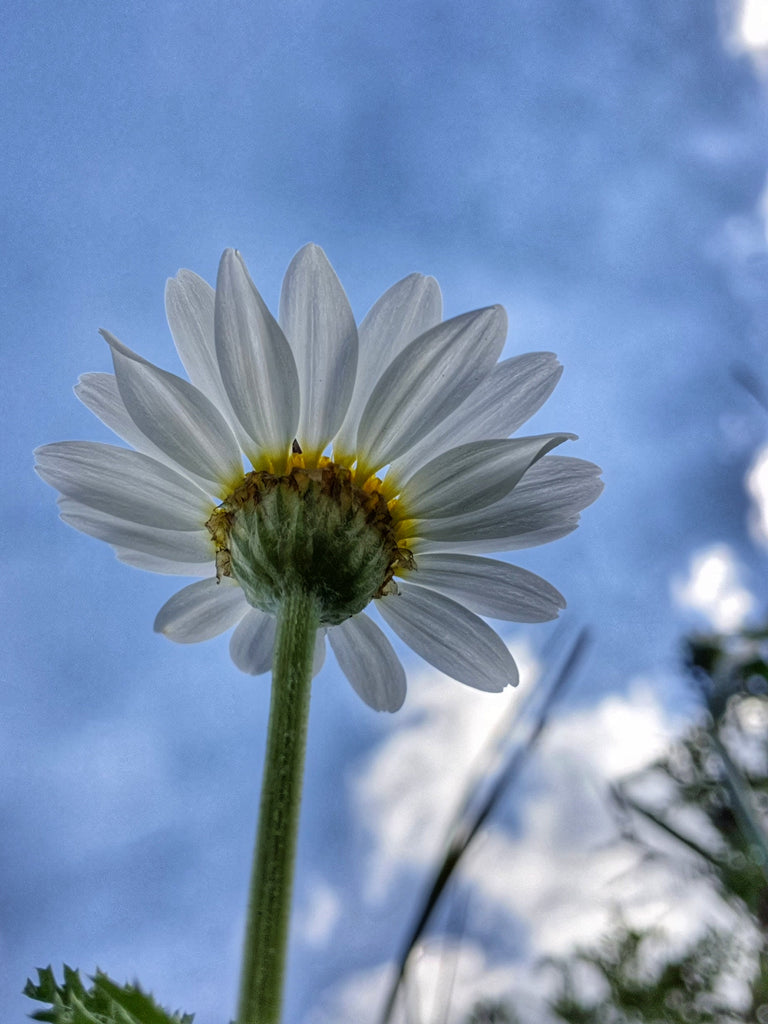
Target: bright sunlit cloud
{"points": [[446, 981], [569, 865], [746, 30], [713, 589], [752, 24], [564, 875], [407, 793], [321, 915], [443, 736], [757, 488]]}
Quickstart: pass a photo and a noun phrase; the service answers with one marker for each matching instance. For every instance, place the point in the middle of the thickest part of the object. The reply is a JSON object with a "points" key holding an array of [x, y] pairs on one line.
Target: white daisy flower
{"points": [[379, 469]]}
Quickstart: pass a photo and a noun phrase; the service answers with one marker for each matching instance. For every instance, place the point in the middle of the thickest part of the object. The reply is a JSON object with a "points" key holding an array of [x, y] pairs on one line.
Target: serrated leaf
{"points": [[137, 1003], [105, 1002]]}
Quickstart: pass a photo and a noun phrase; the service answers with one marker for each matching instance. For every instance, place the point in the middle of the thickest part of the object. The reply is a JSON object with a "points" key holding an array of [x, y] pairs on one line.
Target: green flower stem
{"points": [[269, 899]]}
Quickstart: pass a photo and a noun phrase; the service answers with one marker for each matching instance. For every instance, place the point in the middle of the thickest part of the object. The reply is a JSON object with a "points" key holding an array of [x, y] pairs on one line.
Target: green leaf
{"points": [[105, 1002]]}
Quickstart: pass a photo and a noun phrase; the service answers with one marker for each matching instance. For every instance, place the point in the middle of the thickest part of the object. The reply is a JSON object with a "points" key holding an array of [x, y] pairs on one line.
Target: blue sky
{"points": [[597, 168]]}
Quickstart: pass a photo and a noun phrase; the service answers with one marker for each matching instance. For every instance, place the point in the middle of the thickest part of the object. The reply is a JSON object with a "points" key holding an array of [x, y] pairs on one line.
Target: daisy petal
{"points": [[123, 483], [201, 611], [253, 641], [318, 322], [406, 310], [544, 504], [368, 660], [489, 587], [177, 545], [449, 637], [177, 418], [164, 566], [518, 542], [99, 393], [473, 475], [560, 483], [428, 380], [257, 366], [510, 394], [189, 308]]}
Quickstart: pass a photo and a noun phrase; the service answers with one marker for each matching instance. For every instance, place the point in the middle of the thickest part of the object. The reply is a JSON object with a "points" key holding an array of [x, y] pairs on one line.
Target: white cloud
{"points": [[407, 793], [563, 875], [568, 868], [319, 918], [746, 29], [446, 979], [714, 590], [752, 24], [757, 487]]}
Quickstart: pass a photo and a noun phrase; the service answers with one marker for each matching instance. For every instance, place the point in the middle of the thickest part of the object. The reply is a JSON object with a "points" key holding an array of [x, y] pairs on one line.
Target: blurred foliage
{"points": [[493, 1013], [710, 822], [104, 1002], [684, 990]]}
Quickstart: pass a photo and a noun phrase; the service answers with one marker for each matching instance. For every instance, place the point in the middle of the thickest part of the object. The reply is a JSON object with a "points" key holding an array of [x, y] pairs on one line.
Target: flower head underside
{"points": [[372, 466]]}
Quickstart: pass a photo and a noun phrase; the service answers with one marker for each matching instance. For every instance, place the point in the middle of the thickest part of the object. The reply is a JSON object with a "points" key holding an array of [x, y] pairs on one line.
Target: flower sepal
{"points": [[312, 530]]}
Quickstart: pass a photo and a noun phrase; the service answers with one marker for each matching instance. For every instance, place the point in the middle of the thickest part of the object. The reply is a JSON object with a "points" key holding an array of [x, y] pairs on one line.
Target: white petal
{"points": [[99, 392], [189, 306], [405, 311], [164, 566], [473, 475], [499, 405], [368, 660], [486, 545], [543, 506], [253, 642], [513, 391], [318, 322], [194, 546], [177, 418], [201, 611], [123, 483], [256, 363], [449, 637], [488, 587], [428, 380]]}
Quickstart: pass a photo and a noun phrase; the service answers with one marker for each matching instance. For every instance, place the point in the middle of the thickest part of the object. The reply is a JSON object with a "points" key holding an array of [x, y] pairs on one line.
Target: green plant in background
{"points": [[683, 990], [493, 1013], [103, 1003], [712, 823]]}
